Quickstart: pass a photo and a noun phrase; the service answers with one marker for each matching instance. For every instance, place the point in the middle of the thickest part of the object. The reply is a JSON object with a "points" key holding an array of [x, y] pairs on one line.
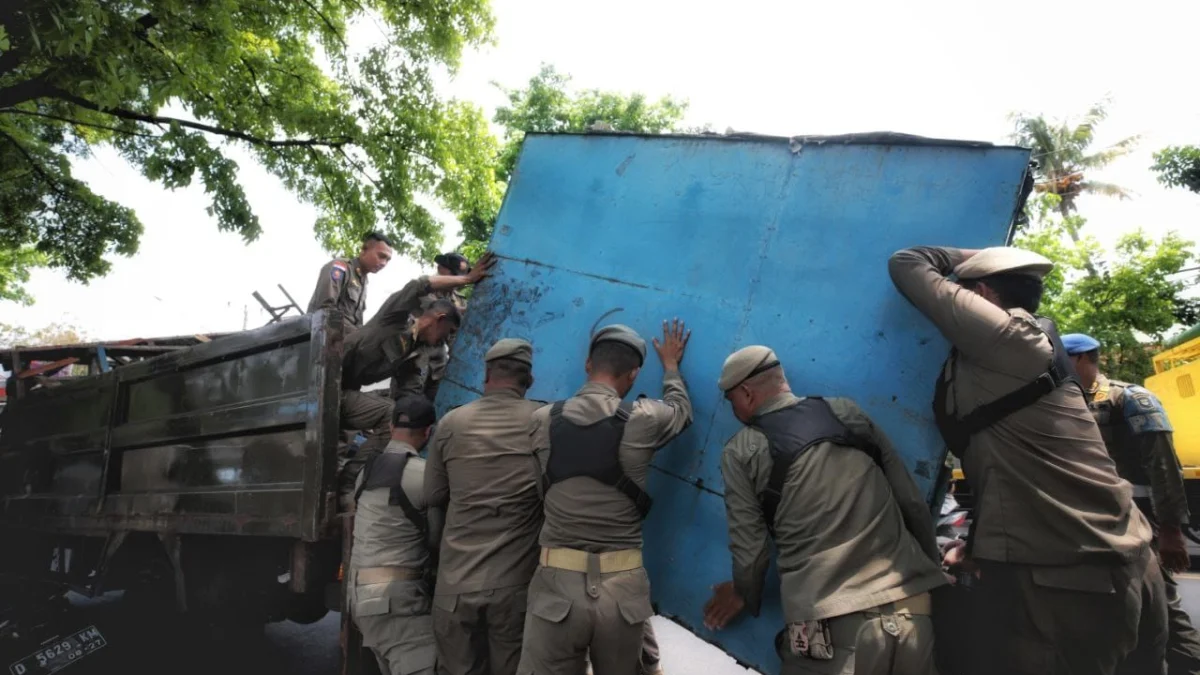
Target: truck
{"points": [[217, 459], [1176, 374]]}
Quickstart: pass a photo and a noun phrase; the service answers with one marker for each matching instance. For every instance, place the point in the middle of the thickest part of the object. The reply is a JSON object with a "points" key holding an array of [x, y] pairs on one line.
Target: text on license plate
{"points": [[59, 653]]}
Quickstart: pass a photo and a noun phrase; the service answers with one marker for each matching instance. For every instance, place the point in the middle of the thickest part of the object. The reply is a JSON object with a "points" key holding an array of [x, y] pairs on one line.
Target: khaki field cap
{"points": [[511, 348], [746, 363], [999, 259], [623, 334]]}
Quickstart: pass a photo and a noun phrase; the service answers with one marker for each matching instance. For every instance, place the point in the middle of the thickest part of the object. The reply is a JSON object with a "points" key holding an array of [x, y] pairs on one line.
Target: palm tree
{"points": [[1062, 154], [1064, 160]]}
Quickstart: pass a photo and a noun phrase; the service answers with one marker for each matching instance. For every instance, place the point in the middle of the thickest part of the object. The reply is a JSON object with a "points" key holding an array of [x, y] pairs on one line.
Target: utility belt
{"points": [[382, 575], [813, 639], [914, 605], [596, 563]]}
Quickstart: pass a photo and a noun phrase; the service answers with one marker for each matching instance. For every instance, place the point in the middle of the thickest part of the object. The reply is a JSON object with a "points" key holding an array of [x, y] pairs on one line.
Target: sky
{"points": [[942, 69]]}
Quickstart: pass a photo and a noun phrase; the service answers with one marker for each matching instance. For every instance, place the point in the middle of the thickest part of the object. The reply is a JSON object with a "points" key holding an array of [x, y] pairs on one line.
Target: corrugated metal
{"points": [[752, 240]]}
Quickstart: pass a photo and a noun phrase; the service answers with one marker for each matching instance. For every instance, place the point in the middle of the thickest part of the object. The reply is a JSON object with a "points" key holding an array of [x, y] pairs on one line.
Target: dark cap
{"points": [[413, 412], [622, 334], [514, 349], [455, 262]]}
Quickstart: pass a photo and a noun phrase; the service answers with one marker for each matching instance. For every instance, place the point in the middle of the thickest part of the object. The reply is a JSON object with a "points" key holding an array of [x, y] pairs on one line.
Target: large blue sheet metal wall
{"points": [[751, 241]]}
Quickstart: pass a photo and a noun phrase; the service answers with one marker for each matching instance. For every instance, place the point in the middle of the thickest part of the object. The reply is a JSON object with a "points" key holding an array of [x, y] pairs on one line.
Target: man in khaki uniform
{"points": [[1138, 436], [483, 472], [373, 354], [342, 284], [448, 264], [1067, 581], [590, 593], [857, 553], [394, 535]]}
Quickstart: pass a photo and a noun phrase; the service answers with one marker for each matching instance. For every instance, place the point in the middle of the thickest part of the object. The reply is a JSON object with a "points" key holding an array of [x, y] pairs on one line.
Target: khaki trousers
{"points": [[574, 615], [371, 414], [1095, 619], [869, 643], [1183, 640], [480, 633], [394, 620]]}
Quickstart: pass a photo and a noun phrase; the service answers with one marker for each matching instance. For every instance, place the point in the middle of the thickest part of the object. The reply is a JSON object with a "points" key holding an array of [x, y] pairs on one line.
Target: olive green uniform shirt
{"points": [[342, 285], [849, 535], [585, 514], [1047, 490]]}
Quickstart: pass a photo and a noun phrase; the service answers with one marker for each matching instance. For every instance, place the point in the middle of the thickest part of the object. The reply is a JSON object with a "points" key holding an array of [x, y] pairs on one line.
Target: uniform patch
{"points": [[1143, 412], [338, 270]]}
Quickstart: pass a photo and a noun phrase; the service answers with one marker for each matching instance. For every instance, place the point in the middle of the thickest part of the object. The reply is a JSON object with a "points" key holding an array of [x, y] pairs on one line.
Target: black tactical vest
{"points": [[957, 431], [592, 450], [386, 470], [792, 430]]}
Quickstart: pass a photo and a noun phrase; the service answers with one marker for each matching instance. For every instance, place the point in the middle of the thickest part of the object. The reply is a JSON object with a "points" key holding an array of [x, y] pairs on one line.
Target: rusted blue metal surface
{"points": [[755, 240]]}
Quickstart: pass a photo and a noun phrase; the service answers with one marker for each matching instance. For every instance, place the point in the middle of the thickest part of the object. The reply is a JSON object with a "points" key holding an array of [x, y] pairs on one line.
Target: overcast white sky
{"points": [[945, 69]]}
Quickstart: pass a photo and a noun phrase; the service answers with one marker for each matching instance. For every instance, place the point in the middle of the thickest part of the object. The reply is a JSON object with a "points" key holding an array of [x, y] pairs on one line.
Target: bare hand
{"points": [[675, 339], [724, 606], [482, 269], [1172, 549], [954, 558]]}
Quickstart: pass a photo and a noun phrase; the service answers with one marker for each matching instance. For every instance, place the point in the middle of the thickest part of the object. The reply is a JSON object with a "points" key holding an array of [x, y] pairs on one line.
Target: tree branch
{"points": [[34, 87], [80, 123], [335, 142], [328, 23], [254, 79], [37, 168]]}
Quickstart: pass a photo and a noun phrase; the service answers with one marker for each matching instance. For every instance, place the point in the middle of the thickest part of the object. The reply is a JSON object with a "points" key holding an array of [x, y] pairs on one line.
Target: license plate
{"points": [[59, 653]]}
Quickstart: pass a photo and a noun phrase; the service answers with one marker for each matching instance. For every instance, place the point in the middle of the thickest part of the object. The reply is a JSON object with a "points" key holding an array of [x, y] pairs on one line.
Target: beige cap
{"points": [[511, 348], [999, 259], [623, 334], [745, 363]]}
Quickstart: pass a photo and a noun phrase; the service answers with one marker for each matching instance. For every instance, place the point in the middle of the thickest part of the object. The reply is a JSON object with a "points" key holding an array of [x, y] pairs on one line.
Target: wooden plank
{"points": [[47, 368]]}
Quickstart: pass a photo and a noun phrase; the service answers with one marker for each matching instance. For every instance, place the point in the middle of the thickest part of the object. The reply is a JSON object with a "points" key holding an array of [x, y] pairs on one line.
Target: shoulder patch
{"points": [[1143, 412], [338, 270]]}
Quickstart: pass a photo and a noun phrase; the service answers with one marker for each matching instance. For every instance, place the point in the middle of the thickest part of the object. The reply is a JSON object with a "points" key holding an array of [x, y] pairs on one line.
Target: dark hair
{"points": [[1014, 290], [614, 358], [376, 236], [511, 370], [412, 411], [444, 306]]}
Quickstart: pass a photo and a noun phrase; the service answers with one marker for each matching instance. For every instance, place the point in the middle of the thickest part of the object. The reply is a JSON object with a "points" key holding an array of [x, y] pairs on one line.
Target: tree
{"points": [[174, 85], [547, 104], [1178, 166], [1135, 292], [1064, 157], [52, 334]]}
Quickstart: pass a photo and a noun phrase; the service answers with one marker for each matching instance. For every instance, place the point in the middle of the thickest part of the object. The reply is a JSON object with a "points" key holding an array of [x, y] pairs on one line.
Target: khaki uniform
{"points": [[482, 470], [1138, 437], [342, 285], [838, 512], [1067, 585], [390, 560], [440, 357], [385, 347], [594, 527]]}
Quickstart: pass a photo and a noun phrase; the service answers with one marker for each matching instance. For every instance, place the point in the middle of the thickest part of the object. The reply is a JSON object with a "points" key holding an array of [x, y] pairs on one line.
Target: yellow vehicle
{"points": [[1175, 381]]}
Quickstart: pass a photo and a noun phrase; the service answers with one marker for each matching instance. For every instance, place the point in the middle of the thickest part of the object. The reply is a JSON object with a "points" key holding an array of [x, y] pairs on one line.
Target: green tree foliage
{"points": [[1135, 293], [173, 85], [548, 104], [1178, 166], [53, 334]]}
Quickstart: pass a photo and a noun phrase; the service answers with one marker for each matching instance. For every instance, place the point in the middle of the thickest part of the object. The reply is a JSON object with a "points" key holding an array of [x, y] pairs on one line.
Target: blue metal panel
{"points": [[751, 241]]}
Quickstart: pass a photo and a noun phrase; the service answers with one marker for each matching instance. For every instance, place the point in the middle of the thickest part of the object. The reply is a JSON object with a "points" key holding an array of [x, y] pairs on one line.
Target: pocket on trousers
{"points": [[549, 607], [636, 610], [419, 659], [446, 602], [1081, 579]]}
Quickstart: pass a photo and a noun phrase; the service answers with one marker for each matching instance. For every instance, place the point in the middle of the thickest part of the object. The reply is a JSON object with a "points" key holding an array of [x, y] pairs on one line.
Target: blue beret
{"points": [[1078, 343]]}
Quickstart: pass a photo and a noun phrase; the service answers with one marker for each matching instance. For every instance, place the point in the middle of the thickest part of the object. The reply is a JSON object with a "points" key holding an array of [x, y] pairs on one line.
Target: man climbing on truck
{"points": [[342, 283], [1138, 436]]}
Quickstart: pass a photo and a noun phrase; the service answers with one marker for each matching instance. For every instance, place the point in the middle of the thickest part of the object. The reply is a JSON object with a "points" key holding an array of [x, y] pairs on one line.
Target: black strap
{"points": [[957, 431]]}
